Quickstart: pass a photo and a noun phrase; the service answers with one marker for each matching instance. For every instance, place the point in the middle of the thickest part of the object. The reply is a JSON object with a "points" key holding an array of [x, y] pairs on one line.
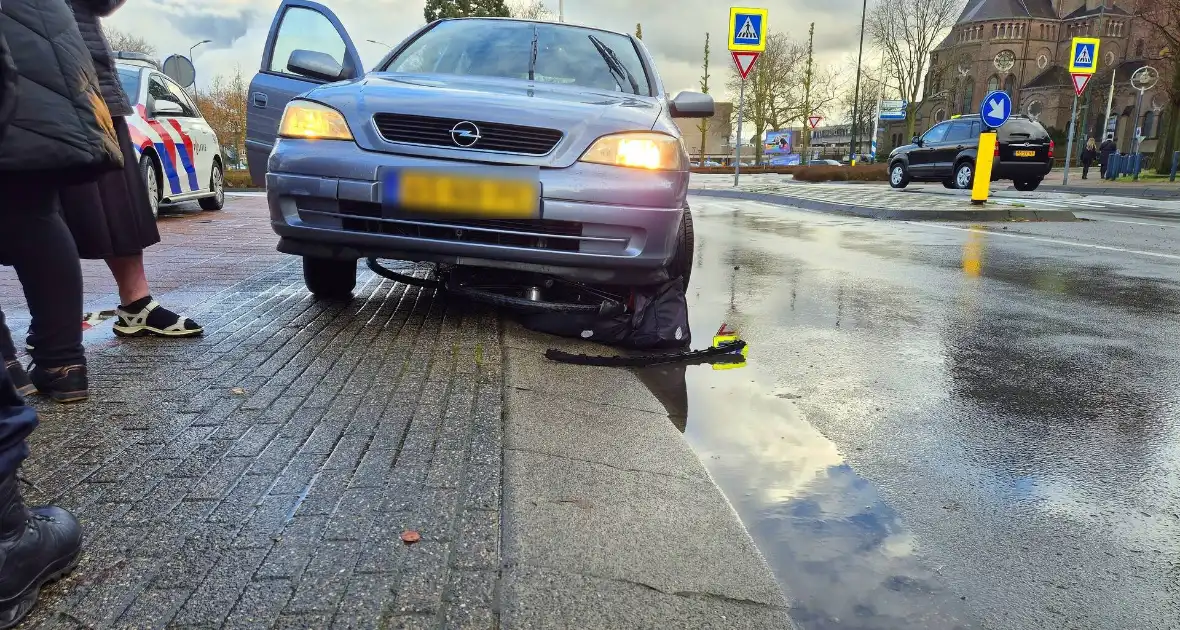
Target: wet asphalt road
{"points": [[941, 426]]}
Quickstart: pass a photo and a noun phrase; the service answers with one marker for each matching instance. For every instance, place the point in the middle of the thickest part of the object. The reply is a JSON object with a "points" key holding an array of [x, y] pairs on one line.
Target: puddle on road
{"points": [[842, 555]]}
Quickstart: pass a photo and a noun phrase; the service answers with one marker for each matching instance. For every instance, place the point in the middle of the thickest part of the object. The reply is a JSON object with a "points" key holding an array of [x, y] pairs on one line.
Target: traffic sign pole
{"points": [[1135, 129], [747, 38], [737, 162], [1069, 141]]}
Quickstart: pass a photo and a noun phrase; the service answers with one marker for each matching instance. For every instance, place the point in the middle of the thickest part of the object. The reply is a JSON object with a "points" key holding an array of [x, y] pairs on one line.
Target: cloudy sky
{"points": [[674, 30]]}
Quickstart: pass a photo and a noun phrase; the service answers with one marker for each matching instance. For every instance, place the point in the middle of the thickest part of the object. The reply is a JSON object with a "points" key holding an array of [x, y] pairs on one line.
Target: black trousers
{"points": [[35, 241], [1085, 169]]}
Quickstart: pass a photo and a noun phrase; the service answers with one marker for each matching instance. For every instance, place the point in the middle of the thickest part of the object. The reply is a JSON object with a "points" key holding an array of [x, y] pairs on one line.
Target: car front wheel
{"points": [[685, 245], [217, 187], [964, 175], [329, 279], [898, 177], [1027, 185]]}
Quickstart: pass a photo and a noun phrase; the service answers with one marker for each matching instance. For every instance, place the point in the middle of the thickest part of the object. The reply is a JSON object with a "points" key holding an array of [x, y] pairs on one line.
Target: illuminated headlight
{"points": [[313, 121], [654, 151]]}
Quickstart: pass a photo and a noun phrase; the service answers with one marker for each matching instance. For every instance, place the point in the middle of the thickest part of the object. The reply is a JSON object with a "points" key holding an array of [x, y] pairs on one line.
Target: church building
{"points": [[1022, 47]]}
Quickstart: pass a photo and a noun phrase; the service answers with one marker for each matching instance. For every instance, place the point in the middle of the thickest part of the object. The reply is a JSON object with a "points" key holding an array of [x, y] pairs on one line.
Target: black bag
{"points": [[658, 319]]}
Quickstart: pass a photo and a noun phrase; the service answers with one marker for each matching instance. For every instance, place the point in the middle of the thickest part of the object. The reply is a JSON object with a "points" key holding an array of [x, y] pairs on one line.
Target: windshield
{"points": [[129, 77], [566, 55]]}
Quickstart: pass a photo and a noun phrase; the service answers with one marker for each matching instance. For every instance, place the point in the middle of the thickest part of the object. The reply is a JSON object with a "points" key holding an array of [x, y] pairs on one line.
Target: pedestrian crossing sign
{"points": [[1083, 55], [747, 29]]}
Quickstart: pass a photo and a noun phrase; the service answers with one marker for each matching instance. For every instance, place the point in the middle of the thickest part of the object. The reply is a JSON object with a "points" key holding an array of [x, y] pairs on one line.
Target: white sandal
{"points": [[136, 324]]}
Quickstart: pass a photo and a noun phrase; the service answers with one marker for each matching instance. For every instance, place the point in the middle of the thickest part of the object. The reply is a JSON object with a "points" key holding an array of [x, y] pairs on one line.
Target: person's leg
{"points": [[138, 313], [37, 545], [1085, 170], [41, 249]]}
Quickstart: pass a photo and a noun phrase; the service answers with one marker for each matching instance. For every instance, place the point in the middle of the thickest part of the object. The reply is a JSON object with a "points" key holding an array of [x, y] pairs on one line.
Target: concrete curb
{"points": [[1117, 191], [610, 520], [989, 214]]}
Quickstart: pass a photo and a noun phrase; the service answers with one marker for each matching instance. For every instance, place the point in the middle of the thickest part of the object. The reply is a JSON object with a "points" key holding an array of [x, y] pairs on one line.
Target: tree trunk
{"points": [[1169, 141]]}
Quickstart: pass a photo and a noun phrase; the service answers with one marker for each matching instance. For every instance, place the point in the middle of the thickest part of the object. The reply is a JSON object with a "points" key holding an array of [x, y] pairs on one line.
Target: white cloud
{"points": [[673, 30]]}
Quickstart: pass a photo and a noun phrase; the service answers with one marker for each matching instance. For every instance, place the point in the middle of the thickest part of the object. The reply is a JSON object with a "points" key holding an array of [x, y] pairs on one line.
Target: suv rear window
{"points": [[1024, 128]]}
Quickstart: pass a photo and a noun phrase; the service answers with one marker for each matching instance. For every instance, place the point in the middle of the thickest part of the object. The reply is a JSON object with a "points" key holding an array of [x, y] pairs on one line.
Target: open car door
{"points": [[299, 25]]}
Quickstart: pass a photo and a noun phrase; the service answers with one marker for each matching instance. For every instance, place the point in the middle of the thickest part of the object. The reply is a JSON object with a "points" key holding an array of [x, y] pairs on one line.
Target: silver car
{"points": [[490, 143]]}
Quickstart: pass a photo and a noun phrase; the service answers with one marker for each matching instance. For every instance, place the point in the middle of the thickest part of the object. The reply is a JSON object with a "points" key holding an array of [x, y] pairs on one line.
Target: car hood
{"points": [[582, 115]]}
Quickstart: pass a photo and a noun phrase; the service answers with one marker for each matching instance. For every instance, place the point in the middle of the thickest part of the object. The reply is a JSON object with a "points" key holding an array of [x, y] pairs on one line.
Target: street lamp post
{"points": [[856, 92], [190, 58], [561, 10]]}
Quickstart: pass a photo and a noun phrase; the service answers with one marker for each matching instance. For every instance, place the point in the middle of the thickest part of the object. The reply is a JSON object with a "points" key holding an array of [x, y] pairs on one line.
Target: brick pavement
{"points": [[260, 476]]}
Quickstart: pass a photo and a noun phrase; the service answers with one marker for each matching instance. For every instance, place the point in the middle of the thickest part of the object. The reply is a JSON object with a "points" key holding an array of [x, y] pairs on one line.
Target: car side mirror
{"points": [[917, 140], [692, 105], [315, 65], [166, 108]]}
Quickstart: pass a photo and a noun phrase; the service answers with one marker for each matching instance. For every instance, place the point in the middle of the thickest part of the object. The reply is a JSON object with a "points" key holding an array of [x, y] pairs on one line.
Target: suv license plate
{"points": [[1026, 154]]}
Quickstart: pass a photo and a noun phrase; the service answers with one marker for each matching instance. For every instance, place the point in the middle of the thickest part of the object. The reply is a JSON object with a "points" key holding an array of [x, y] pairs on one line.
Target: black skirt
{"points": [[112, 216]]}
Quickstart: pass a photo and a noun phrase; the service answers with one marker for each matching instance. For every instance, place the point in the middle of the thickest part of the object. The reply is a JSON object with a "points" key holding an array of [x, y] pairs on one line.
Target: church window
{"points": [[993, 83]]}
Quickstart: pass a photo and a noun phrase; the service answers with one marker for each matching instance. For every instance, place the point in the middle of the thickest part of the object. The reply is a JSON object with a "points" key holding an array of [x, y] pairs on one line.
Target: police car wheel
{"points": [[217, 186], [151, 179]]}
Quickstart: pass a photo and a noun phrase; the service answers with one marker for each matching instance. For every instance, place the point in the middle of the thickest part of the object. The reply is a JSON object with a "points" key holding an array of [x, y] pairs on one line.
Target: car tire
{"points": [[898, 176], [964, 176], [948, 183], [1027, 185], [151, 181], [682, 258], [217, 185], [329, 279]]}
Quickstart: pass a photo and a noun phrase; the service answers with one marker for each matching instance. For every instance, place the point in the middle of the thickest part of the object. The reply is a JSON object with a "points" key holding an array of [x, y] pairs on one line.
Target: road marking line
{"points": [[1164, 225], [1052, 240]]}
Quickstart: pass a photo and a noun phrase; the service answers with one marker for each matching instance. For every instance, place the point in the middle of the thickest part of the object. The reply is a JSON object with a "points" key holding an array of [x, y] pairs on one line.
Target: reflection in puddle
{"points": [[842, 555]]}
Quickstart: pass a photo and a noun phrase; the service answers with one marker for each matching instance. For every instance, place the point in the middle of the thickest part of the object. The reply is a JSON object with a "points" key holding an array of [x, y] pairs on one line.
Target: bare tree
{"points": [[773, 98], [530, 10], [127, 42], [906, 32], [703, 126], [862, 114]]}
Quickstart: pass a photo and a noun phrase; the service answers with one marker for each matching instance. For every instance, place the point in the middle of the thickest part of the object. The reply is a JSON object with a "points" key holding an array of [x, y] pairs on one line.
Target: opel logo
{"points": [[465, 134]]}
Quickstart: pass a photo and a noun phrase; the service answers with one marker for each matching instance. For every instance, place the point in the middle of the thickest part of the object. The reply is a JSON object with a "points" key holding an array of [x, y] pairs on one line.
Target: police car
{"points": [[178, 152]]}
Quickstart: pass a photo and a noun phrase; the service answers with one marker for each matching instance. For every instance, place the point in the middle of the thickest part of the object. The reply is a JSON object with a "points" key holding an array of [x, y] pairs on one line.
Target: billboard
{"points": [[779, 142], [779, 148]]}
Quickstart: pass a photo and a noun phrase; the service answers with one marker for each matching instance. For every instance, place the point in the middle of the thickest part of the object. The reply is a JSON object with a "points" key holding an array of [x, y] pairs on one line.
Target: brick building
{"points": [[1021, 47]]}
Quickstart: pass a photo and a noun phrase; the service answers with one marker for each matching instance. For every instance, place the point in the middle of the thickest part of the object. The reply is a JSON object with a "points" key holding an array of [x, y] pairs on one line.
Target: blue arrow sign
{"points": [[995, 109]]}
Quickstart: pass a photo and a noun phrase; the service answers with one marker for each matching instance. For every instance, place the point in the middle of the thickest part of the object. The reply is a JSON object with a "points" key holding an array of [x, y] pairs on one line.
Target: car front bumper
{"points": [[598, 224]]}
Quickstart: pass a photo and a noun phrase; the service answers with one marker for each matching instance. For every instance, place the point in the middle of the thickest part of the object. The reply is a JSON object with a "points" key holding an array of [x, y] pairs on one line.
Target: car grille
{"points": [[494, 136], [531, 233]]}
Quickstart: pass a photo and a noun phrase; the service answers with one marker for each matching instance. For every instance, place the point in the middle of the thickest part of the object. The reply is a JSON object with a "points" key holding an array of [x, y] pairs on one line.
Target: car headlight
{"points": [[310, 120], [654, 151]]}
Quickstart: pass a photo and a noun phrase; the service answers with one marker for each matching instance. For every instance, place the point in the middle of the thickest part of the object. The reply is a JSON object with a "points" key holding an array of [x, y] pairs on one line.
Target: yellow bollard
{"points": [[983, 167]]}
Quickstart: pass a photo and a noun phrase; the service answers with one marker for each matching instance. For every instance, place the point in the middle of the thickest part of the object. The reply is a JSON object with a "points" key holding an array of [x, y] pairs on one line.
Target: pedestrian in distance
{"points": [[1089, 155], [1105, 151], [54, 129], [110, 219]]}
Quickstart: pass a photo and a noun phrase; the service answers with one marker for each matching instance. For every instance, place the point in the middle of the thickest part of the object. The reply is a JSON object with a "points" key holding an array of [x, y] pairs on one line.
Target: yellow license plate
{"points": [[465, 195], [1026, 154]]}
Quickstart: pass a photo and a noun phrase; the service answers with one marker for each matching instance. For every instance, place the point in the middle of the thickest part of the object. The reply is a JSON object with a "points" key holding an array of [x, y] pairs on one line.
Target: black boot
{"points": [[37, 546]]}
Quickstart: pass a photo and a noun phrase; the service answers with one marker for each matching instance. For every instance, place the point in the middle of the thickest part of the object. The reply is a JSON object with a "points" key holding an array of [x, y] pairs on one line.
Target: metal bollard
{"points": [[1112, 168], [1175, 166]]}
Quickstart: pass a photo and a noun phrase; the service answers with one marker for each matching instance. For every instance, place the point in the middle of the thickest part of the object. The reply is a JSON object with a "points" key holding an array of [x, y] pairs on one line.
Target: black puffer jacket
{"points": [[61, 129], [87, 13]]}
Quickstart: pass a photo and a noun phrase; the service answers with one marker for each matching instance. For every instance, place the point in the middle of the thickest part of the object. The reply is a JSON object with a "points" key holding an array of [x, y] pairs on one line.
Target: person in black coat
{"points": [[1089, 155], [111, 219], [1107, 149], [56, 128]]}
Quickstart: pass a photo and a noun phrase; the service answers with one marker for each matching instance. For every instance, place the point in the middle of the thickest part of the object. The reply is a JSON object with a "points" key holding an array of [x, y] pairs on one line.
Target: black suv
{"points": [[946, 153]]}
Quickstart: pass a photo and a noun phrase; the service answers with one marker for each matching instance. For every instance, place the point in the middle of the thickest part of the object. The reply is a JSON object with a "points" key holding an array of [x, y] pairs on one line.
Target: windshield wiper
{"points": [[533, 58], [612, 61]]}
